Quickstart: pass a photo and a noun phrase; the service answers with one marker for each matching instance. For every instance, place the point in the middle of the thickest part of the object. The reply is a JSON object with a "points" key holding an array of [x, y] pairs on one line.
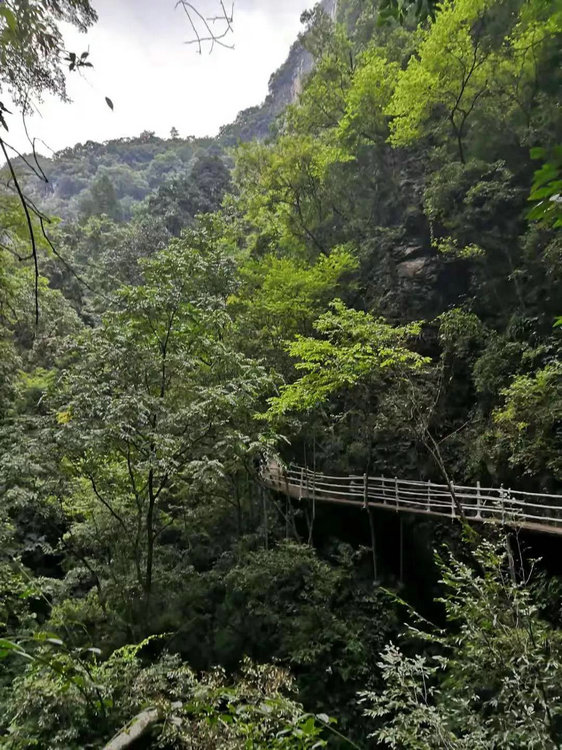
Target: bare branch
{"points": [[30, 227], [204, 29]]}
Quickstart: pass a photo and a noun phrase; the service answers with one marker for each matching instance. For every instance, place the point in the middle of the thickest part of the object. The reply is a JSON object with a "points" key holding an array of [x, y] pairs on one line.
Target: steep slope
{"points": [[284, 87]]}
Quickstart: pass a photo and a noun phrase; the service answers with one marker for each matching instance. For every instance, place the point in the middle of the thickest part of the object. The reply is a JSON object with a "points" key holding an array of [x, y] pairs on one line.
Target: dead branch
{"points": [[139, 726], [208, 30], [28, 210]]}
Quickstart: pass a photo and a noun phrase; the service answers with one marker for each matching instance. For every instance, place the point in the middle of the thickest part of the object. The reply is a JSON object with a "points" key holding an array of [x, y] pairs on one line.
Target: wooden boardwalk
{"points": [[529, 510]]}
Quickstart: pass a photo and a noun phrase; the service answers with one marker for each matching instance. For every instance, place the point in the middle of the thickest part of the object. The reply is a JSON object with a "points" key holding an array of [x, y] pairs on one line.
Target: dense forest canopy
{"points": [[362, 276]]}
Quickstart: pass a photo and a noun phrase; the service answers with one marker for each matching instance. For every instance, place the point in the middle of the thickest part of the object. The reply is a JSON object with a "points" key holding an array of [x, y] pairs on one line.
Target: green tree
{"points": [[201, 190], [283, 194], [546, 192], [280, 297], [490, 679], [102, 200], [155, 410], [67, 699], [319, 618], [365, 117], [322, 101], [463, 66], [353, 349], [527, 424]]}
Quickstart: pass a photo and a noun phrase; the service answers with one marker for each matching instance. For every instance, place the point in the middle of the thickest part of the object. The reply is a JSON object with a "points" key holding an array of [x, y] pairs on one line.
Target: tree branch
{"points": [[202, 27]]}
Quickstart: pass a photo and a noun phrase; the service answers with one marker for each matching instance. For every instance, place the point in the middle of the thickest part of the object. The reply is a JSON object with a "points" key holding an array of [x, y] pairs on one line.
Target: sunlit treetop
{"points": [[351, 346], [476, 59]]}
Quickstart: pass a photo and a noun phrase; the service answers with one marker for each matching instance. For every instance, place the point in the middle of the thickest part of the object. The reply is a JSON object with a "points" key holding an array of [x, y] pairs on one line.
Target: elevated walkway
{"points": [[529, 510]]}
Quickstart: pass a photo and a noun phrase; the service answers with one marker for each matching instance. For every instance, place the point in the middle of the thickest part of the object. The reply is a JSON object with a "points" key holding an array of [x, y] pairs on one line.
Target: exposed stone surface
{"points": [[285, 85], [410, 268]]}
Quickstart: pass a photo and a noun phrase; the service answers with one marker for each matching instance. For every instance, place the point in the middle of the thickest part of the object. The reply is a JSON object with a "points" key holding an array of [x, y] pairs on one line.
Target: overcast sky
{"points": [[156, 81]]}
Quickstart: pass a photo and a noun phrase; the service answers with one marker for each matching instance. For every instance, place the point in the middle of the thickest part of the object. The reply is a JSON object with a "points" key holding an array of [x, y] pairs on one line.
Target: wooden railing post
{"points": [[428, 495], [502, 500], [453, 514], [369, 510], [478, 501], [401, 549], [373, 542], [396, 496], [383, 489], [301, 483]]}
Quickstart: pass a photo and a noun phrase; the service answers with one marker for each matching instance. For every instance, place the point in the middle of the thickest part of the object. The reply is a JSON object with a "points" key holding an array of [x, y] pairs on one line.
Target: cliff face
{"points": [[286, 83], [285, 86], [331, 7]]}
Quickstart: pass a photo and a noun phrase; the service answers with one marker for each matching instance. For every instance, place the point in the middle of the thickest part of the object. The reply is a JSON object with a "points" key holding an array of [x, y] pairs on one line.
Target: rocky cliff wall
{"points": [[285, 86]]}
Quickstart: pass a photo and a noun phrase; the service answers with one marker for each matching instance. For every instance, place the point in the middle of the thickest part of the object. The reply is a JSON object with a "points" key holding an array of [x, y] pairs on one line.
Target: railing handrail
{"points": [[410, 495]]}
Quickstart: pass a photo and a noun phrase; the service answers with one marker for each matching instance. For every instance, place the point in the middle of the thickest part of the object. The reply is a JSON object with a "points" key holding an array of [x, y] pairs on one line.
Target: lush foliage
{"points": [[493, 679], [68, 698], [370, 286]]}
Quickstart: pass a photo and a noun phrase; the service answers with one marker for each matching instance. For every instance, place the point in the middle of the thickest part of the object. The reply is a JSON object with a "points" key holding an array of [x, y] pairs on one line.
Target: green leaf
{"points": [[10, 17], [7, 647]]}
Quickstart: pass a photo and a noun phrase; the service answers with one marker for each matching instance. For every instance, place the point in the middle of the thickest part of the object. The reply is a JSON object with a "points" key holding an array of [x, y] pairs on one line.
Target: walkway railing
{"points": [[532, 510]]}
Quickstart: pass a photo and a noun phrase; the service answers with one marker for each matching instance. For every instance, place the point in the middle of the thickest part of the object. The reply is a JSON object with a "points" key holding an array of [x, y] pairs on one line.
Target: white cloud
{"points": [[156, 81]]}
